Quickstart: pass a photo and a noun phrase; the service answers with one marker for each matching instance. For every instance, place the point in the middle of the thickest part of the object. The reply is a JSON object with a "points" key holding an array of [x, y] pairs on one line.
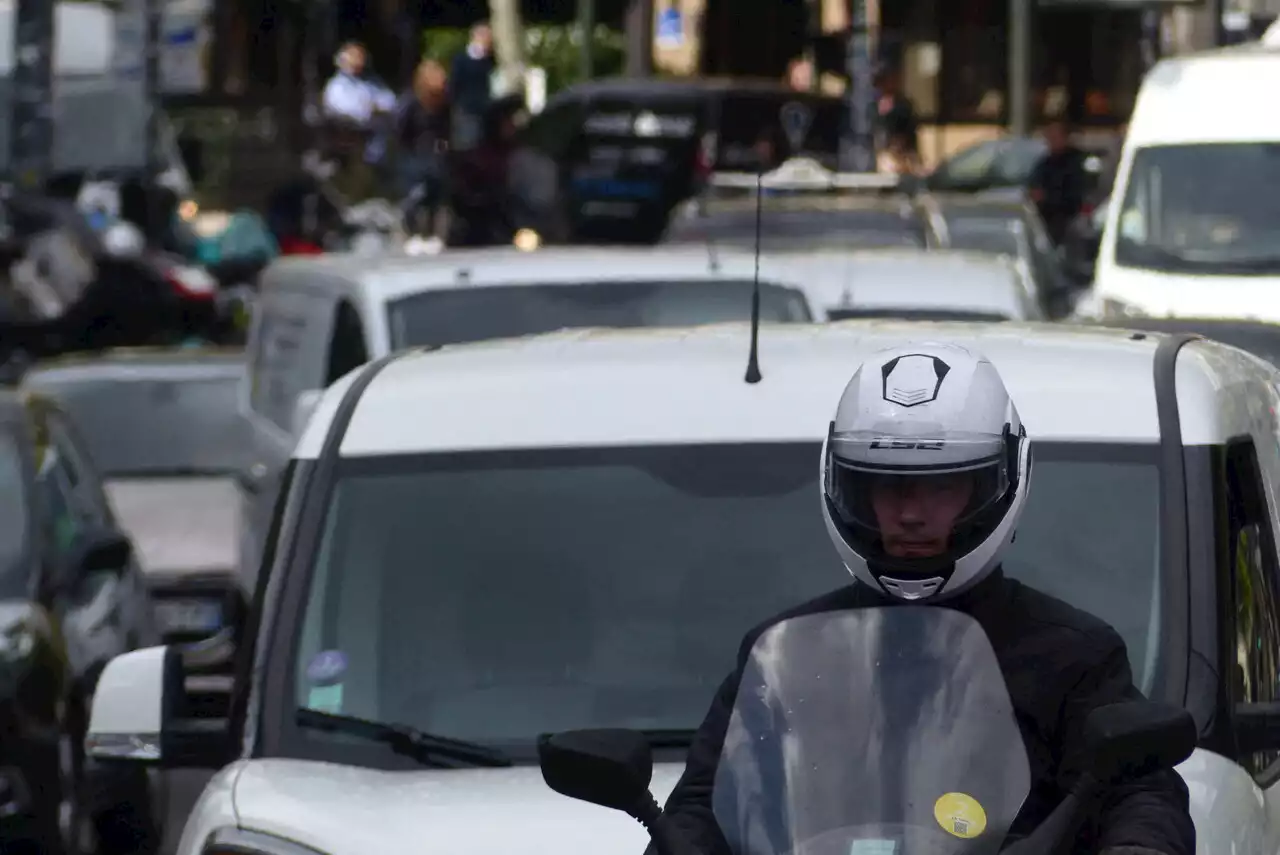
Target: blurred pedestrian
{"points": [[471, 87], [356, 107], [423, 131], [483, 208], [352, 94], [897, 113], [1060, 181]]}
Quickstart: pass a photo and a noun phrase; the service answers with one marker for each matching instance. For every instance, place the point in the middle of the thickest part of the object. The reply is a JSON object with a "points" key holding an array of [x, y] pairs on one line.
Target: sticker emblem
{"points": [[327, 667], [960, 815]]}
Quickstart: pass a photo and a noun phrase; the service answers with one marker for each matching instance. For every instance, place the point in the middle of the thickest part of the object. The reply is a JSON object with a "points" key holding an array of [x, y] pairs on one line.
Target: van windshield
{"points": [[479, 313], [1202, 209], [621, 580]]}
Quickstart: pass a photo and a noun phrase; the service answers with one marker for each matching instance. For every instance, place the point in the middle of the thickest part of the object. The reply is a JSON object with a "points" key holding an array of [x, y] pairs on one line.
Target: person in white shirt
{"points": [[350, 94]]}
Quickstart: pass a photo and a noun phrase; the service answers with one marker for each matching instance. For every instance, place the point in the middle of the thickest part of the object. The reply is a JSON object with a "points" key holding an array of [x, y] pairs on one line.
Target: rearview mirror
{"points": [[99, 550], [610, 768], [1138, 737]]}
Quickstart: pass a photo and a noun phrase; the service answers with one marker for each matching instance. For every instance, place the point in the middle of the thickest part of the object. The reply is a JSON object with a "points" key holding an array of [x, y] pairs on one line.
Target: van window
{"points": [[1254, 577], [1202, 208], [274, 366], [347, 348]]}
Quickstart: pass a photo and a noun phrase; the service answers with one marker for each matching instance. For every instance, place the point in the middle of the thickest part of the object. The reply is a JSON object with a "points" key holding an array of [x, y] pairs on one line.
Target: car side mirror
{"points": [[610, 768], [1138, 737], [139, 715], [99, 550], [303, 408]]}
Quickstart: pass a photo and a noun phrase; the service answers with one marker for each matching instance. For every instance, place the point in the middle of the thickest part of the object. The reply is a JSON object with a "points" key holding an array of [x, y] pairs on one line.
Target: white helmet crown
{"points": [[925, 471]]}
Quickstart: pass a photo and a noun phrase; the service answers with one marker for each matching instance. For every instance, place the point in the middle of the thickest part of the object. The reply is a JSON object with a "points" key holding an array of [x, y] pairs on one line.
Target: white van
{"points": [[1193, 228]]}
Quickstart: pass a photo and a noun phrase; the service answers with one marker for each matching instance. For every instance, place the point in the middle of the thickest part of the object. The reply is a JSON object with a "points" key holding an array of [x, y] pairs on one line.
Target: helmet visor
{"points": [[921, 496]]}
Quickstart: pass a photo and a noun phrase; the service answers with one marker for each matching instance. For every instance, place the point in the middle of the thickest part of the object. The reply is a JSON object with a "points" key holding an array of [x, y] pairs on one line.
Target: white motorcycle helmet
{"points": [[925, 471]]}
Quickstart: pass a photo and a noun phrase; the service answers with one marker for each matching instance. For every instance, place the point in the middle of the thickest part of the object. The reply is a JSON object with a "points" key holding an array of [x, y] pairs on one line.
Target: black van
{"points": [[608, 159]]}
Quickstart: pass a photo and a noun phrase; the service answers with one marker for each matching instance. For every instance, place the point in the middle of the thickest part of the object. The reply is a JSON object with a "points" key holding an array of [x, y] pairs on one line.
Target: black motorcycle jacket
{"points": [[1059, 663]]}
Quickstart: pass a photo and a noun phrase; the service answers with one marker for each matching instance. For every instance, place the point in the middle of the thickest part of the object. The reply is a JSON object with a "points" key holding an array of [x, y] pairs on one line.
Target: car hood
{"points": [[1185, 295], [346, 810]]}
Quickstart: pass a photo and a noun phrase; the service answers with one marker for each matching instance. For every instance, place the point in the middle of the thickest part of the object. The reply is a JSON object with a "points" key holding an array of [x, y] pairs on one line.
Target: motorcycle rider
{"points": [[925, 473]]}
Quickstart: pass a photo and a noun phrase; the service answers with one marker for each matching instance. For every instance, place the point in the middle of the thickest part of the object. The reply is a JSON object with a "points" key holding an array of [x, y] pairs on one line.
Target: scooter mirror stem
{"points": [[668, 838], [1056, 834]]}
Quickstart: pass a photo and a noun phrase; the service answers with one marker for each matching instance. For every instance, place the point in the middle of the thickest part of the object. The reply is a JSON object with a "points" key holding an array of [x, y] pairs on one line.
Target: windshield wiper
{"points": [[406, 740]]}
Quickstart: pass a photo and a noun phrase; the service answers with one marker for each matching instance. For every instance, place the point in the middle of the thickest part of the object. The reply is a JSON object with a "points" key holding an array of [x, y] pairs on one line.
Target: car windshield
{"points": [[491, 596], [14, 522], [153, 420], [459, 315], [1202, 209]]}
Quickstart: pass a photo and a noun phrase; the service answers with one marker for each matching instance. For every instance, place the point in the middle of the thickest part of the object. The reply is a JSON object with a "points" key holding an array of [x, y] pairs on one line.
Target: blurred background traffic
{"points": [[211, 210]]}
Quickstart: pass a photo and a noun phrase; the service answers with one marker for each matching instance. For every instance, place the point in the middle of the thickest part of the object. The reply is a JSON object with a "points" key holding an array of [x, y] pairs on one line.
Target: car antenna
{"points": [[753, 356]]}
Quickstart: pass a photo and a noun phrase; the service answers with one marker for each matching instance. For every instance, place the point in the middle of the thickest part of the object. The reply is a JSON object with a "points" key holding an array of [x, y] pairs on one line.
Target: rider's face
{"points": [[916, 514]]}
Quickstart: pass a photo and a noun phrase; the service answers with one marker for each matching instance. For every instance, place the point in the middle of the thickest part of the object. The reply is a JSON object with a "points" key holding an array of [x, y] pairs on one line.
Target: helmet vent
{"points": [[912, 589]]}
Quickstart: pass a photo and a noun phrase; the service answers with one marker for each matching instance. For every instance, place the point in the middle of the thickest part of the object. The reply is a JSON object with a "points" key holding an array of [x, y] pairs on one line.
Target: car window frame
{"points": [[1249, 507]]}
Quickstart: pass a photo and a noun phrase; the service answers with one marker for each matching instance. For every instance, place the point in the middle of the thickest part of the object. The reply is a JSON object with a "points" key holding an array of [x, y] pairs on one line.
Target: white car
{"points": [[319, 317], [497, 541], [912, 284]]}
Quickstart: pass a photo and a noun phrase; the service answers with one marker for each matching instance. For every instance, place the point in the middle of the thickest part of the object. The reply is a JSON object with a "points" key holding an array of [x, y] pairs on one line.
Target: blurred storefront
{"points": [[953, 55]]}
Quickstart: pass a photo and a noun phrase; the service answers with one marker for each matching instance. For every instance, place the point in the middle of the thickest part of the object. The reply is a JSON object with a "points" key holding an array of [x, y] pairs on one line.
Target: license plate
{"points": [[189, 616]]}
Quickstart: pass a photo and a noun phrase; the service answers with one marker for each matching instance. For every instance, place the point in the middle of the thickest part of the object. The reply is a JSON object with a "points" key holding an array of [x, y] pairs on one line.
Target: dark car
{"points": [[807, 222], [608, 160], [71, 597], [1001, 163], [1008, 225]]}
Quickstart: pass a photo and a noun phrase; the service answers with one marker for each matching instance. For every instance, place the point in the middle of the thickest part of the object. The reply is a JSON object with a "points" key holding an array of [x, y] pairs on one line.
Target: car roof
{"points": [[1181, 100], [137, 364], [394, 275], [601, 388], [906, 279]]}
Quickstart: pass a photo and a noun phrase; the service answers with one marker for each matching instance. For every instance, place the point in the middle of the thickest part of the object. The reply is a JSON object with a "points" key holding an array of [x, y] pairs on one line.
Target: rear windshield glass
{"points": [[462, 315], [145, 423]]}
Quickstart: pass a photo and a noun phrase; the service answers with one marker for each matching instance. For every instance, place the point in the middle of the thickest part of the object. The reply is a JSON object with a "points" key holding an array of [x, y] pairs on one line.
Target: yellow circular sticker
{"points": [[960, 815]]}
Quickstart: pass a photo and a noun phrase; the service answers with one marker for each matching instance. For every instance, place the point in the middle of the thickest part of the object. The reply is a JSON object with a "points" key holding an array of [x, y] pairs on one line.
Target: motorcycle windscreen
{"points": [[884, 731]]}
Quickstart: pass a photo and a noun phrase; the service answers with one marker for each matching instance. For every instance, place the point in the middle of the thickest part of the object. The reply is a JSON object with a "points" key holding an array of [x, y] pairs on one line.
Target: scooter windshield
{"points": [[884, 731]]}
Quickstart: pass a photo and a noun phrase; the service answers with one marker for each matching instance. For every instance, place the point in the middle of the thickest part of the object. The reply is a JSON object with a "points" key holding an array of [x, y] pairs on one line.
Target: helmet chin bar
{"points": [[911, 589]]}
